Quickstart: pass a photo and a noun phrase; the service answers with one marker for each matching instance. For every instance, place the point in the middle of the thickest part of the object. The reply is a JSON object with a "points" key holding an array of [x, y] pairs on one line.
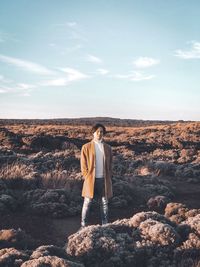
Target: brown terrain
{"points": [[154, 214]]}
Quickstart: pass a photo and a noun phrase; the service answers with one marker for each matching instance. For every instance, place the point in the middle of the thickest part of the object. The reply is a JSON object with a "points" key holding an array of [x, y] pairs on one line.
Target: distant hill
{"points": [[108, 121]]}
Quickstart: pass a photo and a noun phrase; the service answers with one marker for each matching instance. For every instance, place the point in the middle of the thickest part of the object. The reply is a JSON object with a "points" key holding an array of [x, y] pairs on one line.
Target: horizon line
{"points": [[98, 117]]}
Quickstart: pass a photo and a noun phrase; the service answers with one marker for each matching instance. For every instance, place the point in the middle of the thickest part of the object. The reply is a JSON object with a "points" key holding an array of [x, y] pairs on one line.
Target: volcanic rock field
{"points": [[154, 213]]}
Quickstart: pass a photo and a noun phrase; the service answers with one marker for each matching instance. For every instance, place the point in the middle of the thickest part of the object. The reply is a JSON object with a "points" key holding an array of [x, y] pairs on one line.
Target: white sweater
{"points": [[99, 159]]}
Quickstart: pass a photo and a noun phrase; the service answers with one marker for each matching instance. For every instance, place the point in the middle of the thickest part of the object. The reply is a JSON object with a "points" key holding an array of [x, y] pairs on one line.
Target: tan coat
{"points": [[88, 169]]}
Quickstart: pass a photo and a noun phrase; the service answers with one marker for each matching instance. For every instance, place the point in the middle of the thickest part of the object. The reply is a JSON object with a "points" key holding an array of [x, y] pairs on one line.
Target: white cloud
{"points": [[26, 65], [71, 24], [93, 59], [145, 62], [6, 89], [193, 53], [2, 91], [134, 76], [55, 82], [64, 77], [102, 71], [8, 86], [72, 75], [25, 86]]}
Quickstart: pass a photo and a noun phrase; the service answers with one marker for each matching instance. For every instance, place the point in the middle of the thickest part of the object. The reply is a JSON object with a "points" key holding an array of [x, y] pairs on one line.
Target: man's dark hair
{"points": [[96, 126]]}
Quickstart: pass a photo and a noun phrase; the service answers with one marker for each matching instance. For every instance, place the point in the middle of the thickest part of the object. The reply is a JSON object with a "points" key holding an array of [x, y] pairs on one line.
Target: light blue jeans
{"points": [[99, 194]]}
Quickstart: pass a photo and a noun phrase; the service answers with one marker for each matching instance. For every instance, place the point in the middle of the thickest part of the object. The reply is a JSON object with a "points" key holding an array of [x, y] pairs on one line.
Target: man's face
{"points": [[98, 135]]}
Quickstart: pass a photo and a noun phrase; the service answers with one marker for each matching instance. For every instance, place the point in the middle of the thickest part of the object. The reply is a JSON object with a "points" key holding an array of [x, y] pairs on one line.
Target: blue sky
{"points": [[125, 59]]}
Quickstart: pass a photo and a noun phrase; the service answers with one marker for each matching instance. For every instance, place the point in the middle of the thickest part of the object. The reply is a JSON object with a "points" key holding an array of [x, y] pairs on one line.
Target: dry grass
{"points": [[17, 170], [133, 149], [59, 180]]}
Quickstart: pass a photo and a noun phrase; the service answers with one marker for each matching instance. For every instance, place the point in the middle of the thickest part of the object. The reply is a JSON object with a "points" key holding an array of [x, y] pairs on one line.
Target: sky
{"points": [[109, 58]]}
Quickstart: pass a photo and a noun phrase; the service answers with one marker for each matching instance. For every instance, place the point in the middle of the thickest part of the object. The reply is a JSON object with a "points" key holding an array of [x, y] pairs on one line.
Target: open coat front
{"points": [[88, 169]]}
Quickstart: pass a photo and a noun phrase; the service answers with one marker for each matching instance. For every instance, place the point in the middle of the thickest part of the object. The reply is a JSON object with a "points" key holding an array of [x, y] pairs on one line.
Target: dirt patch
{"points": [[48, 231], [186, 193]]}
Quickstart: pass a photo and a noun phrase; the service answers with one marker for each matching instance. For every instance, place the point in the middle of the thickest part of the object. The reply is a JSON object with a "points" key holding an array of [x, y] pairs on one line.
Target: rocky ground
{"points": [[156, 182], [145, 239]]}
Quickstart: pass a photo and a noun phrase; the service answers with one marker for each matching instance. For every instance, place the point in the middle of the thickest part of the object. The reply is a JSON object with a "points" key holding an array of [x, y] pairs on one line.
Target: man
{"points": [[96, 168]]}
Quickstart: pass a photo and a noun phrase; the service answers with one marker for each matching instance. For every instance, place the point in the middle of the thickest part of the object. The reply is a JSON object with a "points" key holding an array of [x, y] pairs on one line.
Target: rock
{"points": [[126, 242], [48, 142], [9, 139], [100, 246], [50, 261], [146, 239], [158, 203], [151, 190], [49, 250], [159, 233], [175, 209], [194, 223], [15, 238], [12, 257], [140, 217], [56, 203]]}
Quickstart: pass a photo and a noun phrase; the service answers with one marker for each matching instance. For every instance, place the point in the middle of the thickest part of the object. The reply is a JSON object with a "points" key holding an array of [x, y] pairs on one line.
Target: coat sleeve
{"points": [[84, 165], [111, 159]]}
